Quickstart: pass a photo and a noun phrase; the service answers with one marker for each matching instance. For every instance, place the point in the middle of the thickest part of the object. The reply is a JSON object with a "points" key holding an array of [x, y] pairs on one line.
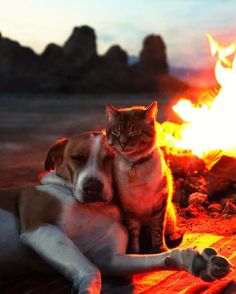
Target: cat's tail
{"points": [[172, 233], [174, 240]]}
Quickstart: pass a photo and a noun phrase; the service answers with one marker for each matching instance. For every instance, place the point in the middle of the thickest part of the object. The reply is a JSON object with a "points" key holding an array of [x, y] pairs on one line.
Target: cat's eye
{"points": [[136, 133], [115, 133]]}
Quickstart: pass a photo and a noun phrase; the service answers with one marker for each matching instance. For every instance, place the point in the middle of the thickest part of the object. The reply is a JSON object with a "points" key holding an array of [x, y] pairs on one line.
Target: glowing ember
{"points": [[210, 126]]}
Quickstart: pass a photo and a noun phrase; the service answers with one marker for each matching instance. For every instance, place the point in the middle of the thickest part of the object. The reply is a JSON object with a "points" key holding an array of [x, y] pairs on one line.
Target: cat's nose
{"points": [[123, 145], [123, 140]]}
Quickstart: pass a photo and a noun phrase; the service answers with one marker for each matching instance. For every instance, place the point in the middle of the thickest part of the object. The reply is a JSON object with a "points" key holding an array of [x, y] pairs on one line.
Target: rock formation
{"points": [[81, 47], [18, 66], [53, 55], [153, 56], [77, 67], [116, 56]]}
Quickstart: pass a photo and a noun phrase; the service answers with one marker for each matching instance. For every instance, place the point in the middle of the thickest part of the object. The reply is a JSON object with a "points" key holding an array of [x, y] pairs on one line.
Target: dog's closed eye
{"points": [[79, 158]]}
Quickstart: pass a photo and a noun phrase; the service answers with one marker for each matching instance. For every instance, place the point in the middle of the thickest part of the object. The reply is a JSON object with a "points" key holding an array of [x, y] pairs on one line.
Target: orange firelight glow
{"points": [[208, 127]]}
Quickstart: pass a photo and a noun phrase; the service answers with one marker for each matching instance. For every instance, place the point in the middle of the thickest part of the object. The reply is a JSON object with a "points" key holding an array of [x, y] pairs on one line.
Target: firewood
{"points": [[185, 164], [225, 168]]}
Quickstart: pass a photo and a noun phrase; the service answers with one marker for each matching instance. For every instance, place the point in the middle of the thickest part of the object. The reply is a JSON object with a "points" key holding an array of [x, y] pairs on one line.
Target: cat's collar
{"points": [[141, 160]]}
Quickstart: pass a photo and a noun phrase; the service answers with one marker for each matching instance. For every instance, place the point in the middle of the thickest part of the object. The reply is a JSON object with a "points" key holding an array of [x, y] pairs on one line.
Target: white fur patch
{"points": [[59, 251], [53, 178], [64, 195], [91, 170]]}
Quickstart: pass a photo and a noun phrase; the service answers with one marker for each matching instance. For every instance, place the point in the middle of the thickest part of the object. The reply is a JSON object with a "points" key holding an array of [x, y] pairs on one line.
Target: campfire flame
{"points": [[208, 127]]}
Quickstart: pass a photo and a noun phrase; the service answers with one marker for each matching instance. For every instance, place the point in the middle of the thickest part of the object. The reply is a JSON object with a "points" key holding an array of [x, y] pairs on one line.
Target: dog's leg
{"points": [[207, 265], [61, 253]]}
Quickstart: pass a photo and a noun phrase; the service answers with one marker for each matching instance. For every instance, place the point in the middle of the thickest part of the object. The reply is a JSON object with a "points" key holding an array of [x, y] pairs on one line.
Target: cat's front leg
{"points": [[133, 226], [157, 229]]}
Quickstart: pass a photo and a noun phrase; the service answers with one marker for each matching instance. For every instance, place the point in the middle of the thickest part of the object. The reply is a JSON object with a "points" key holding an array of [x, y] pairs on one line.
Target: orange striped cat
{"points": [[142, 177]]}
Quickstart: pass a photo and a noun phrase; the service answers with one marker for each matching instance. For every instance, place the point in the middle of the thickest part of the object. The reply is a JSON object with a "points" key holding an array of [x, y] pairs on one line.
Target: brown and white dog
{"points": [[81, 241]]}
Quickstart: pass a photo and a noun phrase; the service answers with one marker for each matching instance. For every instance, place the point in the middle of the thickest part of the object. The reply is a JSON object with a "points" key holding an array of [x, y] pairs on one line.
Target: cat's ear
{"points": [[111, 111], [151, 111]]}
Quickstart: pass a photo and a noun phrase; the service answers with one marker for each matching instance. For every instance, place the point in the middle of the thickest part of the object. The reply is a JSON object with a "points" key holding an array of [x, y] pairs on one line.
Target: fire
{"points": [[208, 127]]}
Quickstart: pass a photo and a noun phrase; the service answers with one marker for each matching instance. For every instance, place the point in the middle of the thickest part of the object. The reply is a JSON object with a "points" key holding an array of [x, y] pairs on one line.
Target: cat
{"points": [[142, 178]]}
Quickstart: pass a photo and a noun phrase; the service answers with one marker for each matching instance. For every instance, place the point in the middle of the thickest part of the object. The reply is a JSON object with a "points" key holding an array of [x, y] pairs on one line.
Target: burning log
{"points": [[215, 207], [200, 190], [221, 180], [230, 207], [217, 186], [225, 168], [184, 165], [198, 199]]}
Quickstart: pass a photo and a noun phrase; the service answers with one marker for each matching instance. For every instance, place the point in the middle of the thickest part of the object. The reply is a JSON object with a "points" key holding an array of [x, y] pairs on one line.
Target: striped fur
{"points": [[143, 179]]}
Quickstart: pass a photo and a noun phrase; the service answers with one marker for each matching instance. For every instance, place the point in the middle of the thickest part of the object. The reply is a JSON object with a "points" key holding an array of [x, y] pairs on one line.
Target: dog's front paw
{"points": [[211, 266], [206, 264], [88, 284]]}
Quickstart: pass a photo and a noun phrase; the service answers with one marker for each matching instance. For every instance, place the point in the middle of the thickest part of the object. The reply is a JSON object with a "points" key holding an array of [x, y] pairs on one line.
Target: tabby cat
{"points": [[142, 177]]}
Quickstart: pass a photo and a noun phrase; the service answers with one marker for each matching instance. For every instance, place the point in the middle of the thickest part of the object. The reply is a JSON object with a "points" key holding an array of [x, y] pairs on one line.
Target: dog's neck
{"points": [[54, 179]]}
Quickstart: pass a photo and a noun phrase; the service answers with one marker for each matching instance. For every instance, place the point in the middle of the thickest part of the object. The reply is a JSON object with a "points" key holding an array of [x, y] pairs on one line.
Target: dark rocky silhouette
{"points": [[18, 65], [53, 56], [81, 47], [116, 56], [77, 67], [153, 56]]}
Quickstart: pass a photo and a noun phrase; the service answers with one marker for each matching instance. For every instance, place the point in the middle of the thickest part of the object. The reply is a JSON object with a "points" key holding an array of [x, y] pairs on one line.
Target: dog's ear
{"points": [[55, 154]]}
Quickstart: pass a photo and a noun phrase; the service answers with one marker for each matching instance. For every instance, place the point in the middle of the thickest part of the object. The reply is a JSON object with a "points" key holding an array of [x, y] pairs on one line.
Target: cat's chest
{"points": [[138, 185], [133, 175]]}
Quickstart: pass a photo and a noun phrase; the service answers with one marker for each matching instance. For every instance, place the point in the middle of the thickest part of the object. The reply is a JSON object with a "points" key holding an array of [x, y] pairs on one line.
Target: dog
{"points": [[70, 224]]}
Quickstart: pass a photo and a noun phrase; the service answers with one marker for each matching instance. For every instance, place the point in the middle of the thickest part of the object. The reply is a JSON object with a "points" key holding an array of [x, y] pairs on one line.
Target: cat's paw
{"points": [[207, 265]]}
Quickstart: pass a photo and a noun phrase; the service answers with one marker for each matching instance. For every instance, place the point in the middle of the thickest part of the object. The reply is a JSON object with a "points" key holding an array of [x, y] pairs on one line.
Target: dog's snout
{"points": [[92, 187]]}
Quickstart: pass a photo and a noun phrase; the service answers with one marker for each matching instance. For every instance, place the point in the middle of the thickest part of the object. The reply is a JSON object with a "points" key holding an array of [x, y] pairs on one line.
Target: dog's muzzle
{"points": [[92, 190]]}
